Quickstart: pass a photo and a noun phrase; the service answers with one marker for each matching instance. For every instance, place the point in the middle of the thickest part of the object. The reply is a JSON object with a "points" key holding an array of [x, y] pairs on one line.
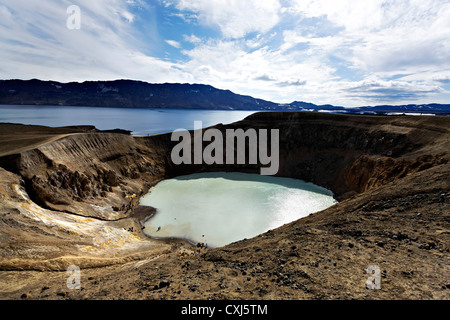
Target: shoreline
{"points": [[143, 213]]}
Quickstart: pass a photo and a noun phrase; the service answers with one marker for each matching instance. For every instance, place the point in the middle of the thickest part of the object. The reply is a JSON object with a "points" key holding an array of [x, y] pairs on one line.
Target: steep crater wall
{"points": [[102, 175], [346, 154], [99, 175]]}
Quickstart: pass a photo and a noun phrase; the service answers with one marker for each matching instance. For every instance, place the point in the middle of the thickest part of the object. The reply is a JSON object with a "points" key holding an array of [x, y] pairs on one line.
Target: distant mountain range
{"points": [[138, 94], [126, 93], [416, 109]]}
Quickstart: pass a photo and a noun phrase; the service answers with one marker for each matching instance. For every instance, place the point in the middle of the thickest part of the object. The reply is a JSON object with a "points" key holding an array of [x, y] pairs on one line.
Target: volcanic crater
{"points": [[70, 196]]}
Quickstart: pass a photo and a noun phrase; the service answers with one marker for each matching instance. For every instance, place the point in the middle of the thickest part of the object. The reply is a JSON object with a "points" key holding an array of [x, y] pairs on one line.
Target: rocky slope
{"points": [[71, 199]]}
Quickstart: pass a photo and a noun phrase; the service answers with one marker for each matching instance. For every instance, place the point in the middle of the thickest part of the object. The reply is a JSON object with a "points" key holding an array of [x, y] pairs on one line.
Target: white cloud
{"points": [[263, 72], [386, 35], [385, 50], [411, 46], [174, 43], [128, 15], [192, 38], [353, 15], [315, 45], [388, 91], [235, 19], [377, 39], [36, 43]]}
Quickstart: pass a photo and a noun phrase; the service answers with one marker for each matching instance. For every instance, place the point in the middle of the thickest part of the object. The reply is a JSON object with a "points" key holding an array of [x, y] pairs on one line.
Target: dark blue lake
{"points": [[140, 121]]}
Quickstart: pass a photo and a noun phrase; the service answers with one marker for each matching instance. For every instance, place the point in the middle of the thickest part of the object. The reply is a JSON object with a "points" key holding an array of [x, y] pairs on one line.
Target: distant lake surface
{"points": [[141, 122]]}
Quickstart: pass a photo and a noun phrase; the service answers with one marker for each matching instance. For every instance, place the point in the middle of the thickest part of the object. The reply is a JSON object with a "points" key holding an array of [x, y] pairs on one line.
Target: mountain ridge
{"points": [[139, 94]]}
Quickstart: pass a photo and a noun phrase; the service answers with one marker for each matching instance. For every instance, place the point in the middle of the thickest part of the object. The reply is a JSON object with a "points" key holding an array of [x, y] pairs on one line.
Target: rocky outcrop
{"points": [[98, 175], [370, 172]]}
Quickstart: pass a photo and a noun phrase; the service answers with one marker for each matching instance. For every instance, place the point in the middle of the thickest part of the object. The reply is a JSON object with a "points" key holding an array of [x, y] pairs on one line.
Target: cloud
{"points": [[264, 72], [352, 15], [285, 83], [265, 77], [375, 39], [235, 19], [384, 35], [388, 91], [36, 43], [174, 43], [291, 83], [443, 80], [323, 51], [192, 39], [127, 15]]}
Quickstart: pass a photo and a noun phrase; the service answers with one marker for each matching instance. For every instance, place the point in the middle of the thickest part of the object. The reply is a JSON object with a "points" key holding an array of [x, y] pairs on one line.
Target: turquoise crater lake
{"points": [[220, 208]]}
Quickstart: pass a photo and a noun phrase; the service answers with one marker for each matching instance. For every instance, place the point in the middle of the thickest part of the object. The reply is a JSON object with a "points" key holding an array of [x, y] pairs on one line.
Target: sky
{"points": [[340, 52]]}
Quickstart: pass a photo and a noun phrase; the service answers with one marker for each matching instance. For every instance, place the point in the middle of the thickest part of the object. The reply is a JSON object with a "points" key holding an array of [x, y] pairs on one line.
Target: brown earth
{"points": [[68, 196]]}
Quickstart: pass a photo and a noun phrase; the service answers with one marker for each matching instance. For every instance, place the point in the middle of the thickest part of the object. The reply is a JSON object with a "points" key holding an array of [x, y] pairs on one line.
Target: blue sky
{"points": [[341, 52]]}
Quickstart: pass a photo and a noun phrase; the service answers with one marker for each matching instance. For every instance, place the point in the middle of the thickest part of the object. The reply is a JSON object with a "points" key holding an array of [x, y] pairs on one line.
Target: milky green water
{"points": [[220, 208]]}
